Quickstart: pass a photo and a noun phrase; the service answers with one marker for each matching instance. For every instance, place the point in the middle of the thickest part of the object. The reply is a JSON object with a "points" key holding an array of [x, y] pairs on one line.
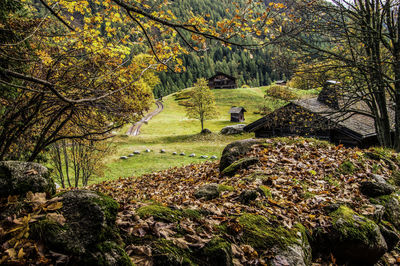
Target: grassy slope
{"points": [[172, 131]]}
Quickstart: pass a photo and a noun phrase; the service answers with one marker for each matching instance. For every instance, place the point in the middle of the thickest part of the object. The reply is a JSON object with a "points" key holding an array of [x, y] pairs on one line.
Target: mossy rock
{"points": [[109, 253], [352, 238], [391, 203], [218, 252], [159, 212], [208, 192], [259, 233], [90, 220], [233, 151], [192, 214], [243, 163], [17, 178], [287, 245], [165, 252], [222, 188]]}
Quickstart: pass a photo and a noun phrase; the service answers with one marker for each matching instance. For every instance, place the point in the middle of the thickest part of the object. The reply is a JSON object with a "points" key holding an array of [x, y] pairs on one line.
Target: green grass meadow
{"points": [[173, 131]]}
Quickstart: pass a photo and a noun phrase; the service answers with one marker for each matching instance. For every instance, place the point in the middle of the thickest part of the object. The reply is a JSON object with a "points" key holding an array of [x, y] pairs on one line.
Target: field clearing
{"points": [[173, 131]]}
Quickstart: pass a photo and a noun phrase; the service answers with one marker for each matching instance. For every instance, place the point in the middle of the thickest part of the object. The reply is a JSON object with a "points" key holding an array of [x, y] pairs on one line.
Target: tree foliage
{"points": [[358, 42], [201, 104], [79, 69]]}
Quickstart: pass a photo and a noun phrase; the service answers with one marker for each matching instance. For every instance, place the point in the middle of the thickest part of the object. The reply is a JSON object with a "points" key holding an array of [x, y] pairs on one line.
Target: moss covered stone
{"points": [[208, 192], [166, 253], [233, 151], [391, 205], [261, 235], [243, 163], [109, 253], [159, 212], [351, 226], [17, 178], [294, 254], [352, 238], [218, 252], [192, 214], [223, 187], [90, 220]]}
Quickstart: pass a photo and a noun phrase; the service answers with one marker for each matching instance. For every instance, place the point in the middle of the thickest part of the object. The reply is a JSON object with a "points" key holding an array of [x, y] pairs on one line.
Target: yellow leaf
{"points": [[54, 206], [11, 253], [21, 253]]}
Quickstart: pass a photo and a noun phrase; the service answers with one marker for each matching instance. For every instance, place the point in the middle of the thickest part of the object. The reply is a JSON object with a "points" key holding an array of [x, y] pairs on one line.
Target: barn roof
{"points": [[237, 110], [358, 125]]}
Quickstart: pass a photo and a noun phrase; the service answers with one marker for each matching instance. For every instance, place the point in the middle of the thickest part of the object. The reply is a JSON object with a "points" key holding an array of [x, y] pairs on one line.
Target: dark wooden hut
{"points": [[319, 118], [237, 114], [222, 81]]}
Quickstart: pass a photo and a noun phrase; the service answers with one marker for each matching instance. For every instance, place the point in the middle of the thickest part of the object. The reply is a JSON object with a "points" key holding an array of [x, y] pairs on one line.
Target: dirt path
{"points": [[134, 130]]}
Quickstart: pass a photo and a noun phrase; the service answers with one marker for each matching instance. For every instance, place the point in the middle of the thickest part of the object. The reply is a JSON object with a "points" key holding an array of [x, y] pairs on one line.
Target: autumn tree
{"points": [[80, 69], [201, 104], [358, 41]]}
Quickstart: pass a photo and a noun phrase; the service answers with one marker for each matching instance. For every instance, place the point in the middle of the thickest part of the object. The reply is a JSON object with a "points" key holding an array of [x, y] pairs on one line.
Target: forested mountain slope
{"points": [[254, 68]]}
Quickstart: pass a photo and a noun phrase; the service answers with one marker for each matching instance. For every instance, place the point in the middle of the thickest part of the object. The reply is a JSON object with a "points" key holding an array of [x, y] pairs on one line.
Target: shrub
{"points": [[281, 92]]}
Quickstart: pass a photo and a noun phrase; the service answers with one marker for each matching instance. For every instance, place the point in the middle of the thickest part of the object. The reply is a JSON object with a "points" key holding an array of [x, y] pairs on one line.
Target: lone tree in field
{"points": [[201, 104]]}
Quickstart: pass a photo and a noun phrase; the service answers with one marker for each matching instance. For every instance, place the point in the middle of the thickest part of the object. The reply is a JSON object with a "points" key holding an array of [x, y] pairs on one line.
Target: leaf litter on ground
{"points": [[295, 181]]}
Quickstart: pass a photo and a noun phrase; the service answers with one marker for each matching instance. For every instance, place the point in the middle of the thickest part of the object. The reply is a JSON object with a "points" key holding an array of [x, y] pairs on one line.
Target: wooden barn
{"points": [[222, 81], [237, 114], [318, 118]]}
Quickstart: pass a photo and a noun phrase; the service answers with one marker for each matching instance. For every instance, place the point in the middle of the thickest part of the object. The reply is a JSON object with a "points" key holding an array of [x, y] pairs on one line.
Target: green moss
{"points": [[239, 164], [109, 207], [347, 168], [266, 191], [395, 178], [46, 230], [382, 200], [352, 226], [191, 214], [261, 235], [218, 252], [111, 248], [159, 212], [166, 253], [222, 188]]}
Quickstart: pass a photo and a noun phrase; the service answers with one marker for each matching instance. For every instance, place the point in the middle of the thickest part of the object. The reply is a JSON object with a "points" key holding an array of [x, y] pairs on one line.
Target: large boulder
{"points": [[351, 238], [209, 191], [376, 189], [232, 130], [284, 246], [89, 235], [243, 163], [392, 209], [235, 150], [17, 178]]}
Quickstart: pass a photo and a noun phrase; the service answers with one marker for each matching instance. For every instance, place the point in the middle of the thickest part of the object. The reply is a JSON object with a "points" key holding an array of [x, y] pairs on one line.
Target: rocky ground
{"points": [[269, 202]]}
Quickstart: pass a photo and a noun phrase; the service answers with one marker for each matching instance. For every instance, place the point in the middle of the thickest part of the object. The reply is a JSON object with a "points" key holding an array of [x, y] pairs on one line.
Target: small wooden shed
{"points": [[237, 114], [222, 81]]}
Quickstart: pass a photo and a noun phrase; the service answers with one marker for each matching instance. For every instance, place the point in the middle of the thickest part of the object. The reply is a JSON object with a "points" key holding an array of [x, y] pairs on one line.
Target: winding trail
{"points": [[134, 130]]}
